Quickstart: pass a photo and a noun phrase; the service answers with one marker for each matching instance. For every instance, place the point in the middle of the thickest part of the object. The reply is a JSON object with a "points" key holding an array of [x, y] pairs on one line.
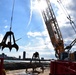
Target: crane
{"points": [[68, 67], [53, 29]]}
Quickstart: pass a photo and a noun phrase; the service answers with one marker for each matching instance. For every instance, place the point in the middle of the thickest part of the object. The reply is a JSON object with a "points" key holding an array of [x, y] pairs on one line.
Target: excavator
{"points": [[65, 63]]}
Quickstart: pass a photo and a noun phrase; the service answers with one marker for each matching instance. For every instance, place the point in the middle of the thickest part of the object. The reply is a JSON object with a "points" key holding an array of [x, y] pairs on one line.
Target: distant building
{"points": [[19, 57], [42, 58], [24, 55]]}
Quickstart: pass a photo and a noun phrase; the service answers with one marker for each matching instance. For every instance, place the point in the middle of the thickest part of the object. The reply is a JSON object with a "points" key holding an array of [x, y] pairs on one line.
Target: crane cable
{"points": [[12, 19], [68, 16], [12, 15]]}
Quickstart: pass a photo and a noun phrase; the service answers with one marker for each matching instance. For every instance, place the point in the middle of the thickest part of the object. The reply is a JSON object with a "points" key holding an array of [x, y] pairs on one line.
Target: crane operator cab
{"points": [[64, 56], [68, 56]]}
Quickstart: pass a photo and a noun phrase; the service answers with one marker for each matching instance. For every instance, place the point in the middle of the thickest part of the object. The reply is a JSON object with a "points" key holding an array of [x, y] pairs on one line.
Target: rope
{"points": [[72, 23], [12, 15], [63, 8], [68, 16]]}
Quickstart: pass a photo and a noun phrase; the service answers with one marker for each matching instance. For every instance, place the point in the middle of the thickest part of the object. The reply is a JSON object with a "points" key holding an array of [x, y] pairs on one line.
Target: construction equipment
{"points": [[65, 63], [11, 43], [35, 62], [9, 38]]}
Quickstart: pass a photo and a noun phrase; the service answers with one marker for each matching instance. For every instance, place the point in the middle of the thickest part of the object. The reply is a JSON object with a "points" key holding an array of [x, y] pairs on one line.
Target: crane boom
{"points": [[53, 29]]}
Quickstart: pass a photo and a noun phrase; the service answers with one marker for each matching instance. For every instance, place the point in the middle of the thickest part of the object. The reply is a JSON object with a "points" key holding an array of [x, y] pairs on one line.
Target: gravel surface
{"points": [[29, 72]]}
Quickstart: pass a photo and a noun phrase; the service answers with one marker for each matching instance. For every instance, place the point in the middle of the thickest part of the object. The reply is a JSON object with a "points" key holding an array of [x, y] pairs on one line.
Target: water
{"points": [[11, 61], [14, 61]]}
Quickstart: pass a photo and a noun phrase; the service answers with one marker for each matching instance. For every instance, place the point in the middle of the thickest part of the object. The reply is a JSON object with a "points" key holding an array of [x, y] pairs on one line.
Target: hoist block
{"points": [[9, 41]]}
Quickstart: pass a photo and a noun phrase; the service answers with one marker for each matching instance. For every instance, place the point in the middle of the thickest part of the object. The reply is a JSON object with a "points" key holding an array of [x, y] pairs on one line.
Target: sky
{"points": [[28, 26]]}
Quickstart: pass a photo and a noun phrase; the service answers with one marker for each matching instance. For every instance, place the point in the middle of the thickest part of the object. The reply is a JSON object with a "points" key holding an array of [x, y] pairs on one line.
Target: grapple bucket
{"points": [[9, 44]]}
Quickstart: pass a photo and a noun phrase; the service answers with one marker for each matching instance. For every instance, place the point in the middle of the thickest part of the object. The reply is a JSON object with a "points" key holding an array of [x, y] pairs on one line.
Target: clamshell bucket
{"points": [[9, 41]]}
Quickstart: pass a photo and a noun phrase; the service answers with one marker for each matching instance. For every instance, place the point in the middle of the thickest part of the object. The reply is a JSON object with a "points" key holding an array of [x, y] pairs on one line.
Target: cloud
{"points": [[35, 34], [65, 8], [43, 51], [6, 26], [38, 43], [69, 8], [31, 10], [63, 22]]}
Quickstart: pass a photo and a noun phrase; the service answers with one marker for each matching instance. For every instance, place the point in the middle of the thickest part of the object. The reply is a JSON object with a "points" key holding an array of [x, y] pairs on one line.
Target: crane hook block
{"points": [[9, 41]]}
